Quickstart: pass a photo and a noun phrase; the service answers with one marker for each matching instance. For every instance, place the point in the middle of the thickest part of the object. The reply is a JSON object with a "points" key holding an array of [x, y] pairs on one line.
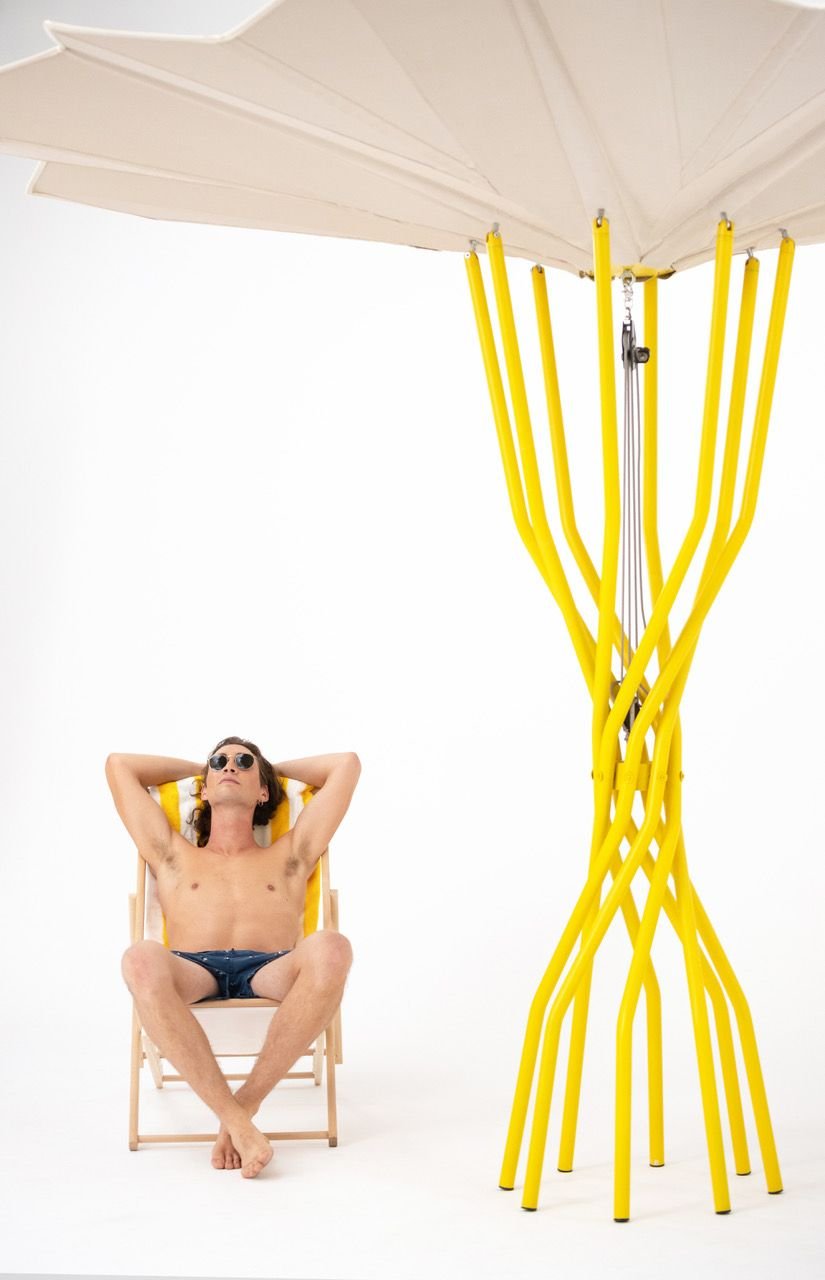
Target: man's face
{"points": [[231, 785]]}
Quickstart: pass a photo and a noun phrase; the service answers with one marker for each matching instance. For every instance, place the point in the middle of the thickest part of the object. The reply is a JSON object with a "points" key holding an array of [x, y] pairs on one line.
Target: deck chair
{"points": [[178, 799]]}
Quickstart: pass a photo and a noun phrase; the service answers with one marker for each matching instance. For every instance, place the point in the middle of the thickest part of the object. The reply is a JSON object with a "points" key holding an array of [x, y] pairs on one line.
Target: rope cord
{"points": [[633, 618]]}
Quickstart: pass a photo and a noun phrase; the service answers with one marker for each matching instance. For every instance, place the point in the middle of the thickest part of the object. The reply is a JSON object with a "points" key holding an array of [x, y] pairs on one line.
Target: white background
{"points": [[251, 485]]}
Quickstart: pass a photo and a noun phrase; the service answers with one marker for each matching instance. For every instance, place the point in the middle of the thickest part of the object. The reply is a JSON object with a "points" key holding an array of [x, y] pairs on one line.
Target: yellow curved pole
{"points": [[579, 633], [707, 446], [588, 571], [630, 998]]}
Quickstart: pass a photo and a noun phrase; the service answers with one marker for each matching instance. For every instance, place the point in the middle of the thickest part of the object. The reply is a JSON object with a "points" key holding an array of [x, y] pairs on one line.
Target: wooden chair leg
{"points": [[134, 1082], [332, 1112], [318, 1059], [153, 1058]]}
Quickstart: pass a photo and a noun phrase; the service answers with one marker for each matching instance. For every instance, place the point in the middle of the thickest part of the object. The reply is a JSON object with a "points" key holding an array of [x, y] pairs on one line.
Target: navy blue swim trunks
{"points": [[232, 969]]}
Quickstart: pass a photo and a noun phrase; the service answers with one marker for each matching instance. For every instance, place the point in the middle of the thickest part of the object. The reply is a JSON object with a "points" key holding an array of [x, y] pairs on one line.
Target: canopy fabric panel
{"points": [[424, 123]]}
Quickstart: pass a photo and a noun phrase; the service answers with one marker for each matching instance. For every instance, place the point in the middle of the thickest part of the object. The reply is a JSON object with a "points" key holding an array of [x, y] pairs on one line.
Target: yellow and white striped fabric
{"points": [[178, 800]]}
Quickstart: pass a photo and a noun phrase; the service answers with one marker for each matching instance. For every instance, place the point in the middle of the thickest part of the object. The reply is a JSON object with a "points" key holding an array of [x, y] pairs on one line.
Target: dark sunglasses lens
{"points": [[217, 762], [244, 760]]}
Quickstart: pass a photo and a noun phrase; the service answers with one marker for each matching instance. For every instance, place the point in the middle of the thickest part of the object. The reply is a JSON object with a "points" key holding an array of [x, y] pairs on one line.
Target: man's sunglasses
{"points": [[243, 760]]}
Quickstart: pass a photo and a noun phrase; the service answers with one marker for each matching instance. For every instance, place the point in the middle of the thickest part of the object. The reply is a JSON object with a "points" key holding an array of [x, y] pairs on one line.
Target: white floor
{"points": [[409, 1192]]}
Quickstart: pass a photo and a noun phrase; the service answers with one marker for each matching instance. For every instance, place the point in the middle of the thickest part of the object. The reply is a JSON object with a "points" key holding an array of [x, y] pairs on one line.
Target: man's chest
{"points": [[275, 875]]}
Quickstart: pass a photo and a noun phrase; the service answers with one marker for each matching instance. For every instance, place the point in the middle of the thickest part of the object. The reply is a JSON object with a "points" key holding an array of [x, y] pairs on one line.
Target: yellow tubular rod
{"points": [[502, 420], [715, 579], [662, 607], [624, 1029], [581, 912], [590, 942], [560, 462], [690, 944], [556, 423], [612, 512], [744, 1022], [603, 678], [575, 624], [679, 660], [707, 1076], [709, 588], [591, 579], [723, 1029], [653, 1005], [651, 452], [599, 867], [747, 1036], [531, 1041], [666, 596], [701, 1034], [737, 410], [651, 402]]}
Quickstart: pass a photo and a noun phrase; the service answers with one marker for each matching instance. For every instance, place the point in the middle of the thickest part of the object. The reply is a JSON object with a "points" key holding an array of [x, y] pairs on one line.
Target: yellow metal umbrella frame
{"points": [[619, 847]]}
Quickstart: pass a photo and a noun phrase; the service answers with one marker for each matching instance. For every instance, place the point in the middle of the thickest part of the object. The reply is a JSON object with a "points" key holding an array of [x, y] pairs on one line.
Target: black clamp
{"points": [[631, 354]]}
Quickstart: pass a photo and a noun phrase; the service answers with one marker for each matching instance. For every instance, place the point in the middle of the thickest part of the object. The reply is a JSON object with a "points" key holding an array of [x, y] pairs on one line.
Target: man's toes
{"points": [[224, 1154], [256, 1164]]}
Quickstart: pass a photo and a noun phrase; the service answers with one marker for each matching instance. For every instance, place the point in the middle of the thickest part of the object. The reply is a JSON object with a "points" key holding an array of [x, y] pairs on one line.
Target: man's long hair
{"points": [[201, 817]]}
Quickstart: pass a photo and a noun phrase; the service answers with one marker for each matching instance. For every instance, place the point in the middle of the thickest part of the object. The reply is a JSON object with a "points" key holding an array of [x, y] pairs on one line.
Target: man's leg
{"points": [[162, 984], [309, 982]]}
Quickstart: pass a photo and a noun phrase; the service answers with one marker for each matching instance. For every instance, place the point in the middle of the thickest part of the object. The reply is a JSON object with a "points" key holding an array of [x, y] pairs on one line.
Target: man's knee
{"points": [[329, 956], [145, 966]]}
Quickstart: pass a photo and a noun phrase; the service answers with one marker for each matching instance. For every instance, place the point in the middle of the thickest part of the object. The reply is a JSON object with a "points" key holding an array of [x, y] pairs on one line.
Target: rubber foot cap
{"points": [[501, 1187], [660, 1164], [746, 1173], [621, 1219], [565, 1170], [722, 1212], [527, 1208], [775, 1193]]}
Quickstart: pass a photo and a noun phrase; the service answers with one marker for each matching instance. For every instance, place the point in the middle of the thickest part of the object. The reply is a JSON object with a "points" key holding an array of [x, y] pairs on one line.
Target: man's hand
{"points": [[314, 770]]}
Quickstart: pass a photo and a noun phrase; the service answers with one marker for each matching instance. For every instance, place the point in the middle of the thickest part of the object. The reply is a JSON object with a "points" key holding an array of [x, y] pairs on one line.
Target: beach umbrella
{"points": [[425, 123], [631, 140]]}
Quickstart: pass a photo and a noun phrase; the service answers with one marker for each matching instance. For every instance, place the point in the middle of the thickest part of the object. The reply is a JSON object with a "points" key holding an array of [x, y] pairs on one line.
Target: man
{"points": [[233, 914]]}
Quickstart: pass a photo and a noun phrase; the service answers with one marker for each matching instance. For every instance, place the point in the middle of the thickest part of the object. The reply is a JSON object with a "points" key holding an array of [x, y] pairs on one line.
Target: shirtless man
{"points": [[231, 896]]}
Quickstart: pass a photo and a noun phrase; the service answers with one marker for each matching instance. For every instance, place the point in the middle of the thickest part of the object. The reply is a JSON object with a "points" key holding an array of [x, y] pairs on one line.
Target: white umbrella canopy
{"points": [[424, 123]]}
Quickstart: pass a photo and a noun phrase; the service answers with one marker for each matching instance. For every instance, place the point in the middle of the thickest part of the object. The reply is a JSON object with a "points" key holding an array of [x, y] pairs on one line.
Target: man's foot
{"points": [[224, 1155], [252, 1147]]}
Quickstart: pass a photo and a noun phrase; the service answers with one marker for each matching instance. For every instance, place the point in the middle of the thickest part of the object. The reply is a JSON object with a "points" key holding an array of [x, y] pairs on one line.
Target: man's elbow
{"points": [[111, 762]]}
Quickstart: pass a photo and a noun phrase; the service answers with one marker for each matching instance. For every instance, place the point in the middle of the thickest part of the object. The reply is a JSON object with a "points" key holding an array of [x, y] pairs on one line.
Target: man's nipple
{"points": [[271, 886], [194, 886]]}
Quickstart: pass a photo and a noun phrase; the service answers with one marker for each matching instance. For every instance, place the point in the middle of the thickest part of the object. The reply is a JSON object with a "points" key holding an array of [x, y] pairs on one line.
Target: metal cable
{"points": [[633, 620]]}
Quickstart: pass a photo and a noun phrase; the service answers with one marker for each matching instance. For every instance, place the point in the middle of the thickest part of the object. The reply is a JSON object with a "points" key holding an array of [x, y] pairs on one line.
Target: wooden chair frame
{"points": [[328, 1046]]}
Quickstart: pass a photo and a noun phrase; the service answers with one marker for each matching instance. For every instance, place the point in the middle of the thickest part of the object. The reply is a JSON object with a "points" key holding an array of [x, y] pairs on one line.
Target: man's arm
{"points": [[337, 776], [314, 770], [128, 777]]}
